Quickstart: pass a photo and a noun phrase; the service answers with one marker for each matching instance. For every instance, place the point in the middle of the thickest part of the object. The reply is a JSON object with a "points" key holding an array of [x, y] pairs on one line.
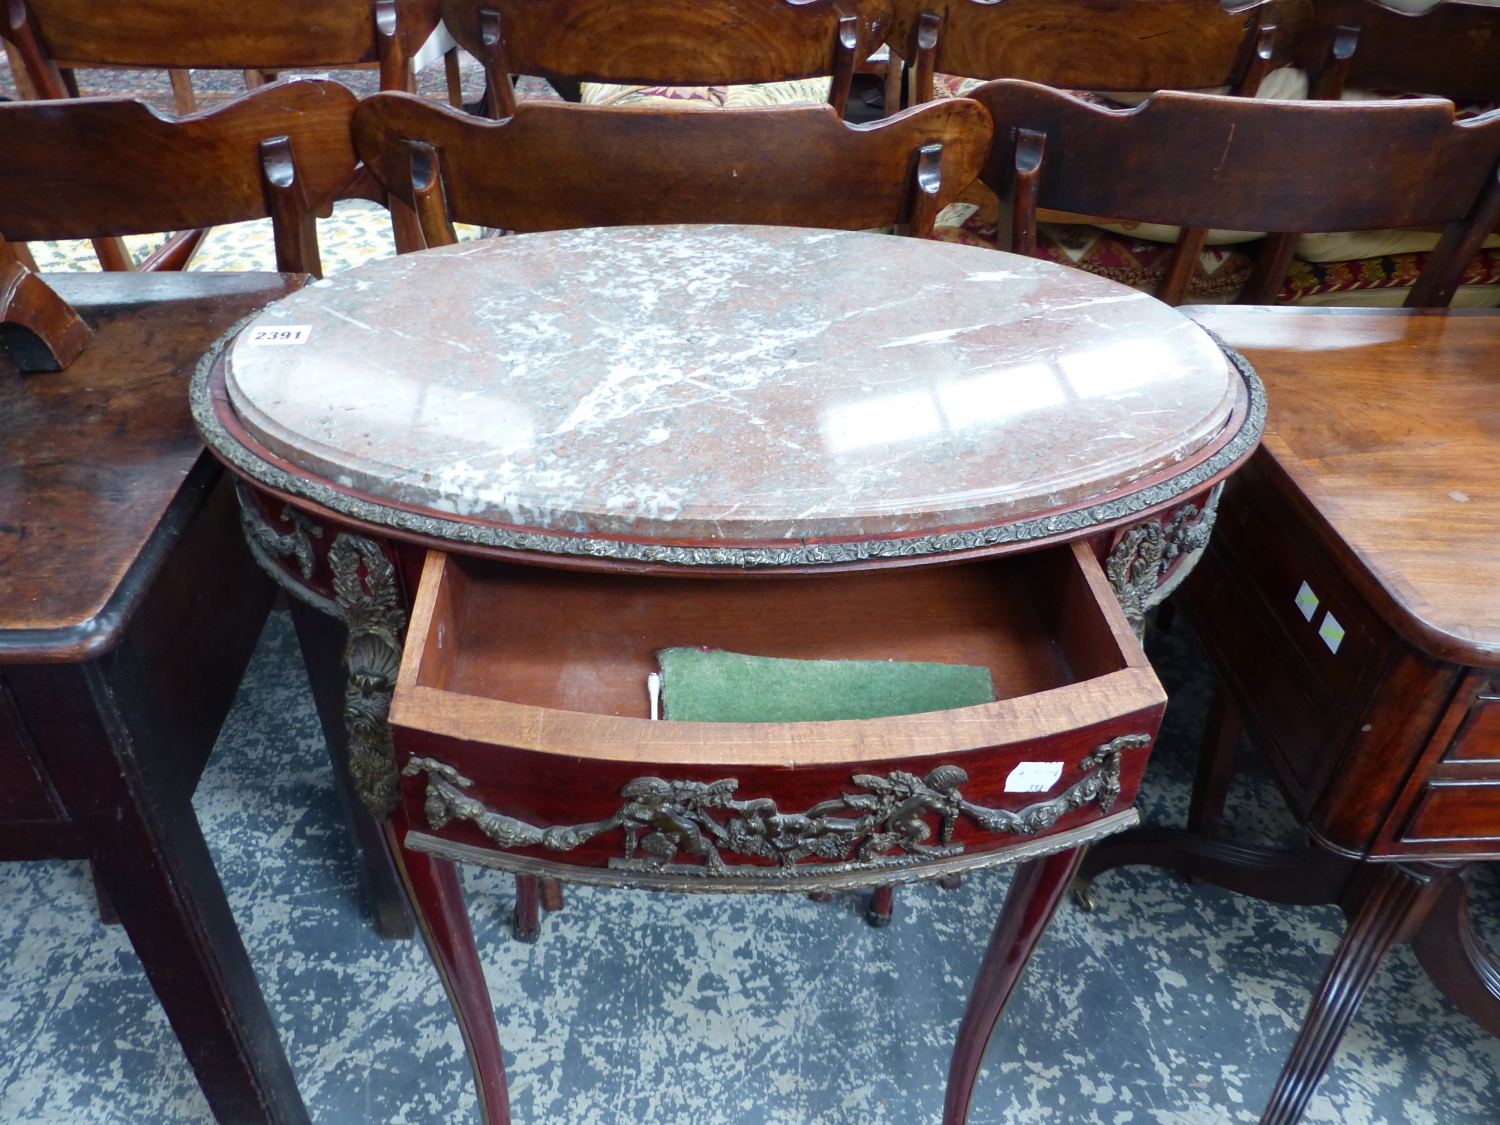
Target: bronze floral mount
{"points": [[889, 825]]}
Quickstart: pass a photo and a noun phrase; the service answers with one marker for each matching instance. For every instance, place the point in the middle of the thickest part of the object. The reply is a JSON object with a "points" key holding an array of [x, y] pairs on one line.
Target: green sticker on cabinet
{"points": [[1331, 632], [1307, 601]]}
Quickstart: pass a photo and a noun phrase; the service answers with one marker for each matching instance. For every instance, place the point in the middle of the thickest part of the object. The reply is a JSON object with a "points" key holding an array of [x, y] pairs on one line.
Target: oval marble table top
{"points": [[726, 384]]}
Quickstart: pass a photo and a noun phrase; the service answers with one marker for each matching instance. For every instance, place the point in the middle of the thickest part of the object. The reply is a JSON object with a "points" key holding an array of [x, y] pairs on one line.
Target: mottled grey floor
{"points": [[1170, 1005]]}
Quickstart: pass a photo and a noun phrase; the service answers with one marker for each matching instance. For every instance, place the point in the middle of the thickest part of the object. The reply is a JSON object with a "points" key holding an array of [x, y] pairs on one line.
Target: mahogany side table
{"points": [[539, 459], [129, 608], [1350, 602]]}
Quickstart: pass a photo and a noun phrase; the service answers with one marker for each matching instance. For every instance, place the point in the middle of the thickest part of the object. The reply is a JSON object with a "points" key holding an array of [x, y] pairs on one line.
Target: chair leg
{"points": [[526, 922], [882, 902], [552, 895], [895, 75], [1174, 286], [1269, 271], [455, 79], [1035, 892], [112, 254], [405, 228], [443, 920], [1396, 899], [1216, 759], [183, 98]]}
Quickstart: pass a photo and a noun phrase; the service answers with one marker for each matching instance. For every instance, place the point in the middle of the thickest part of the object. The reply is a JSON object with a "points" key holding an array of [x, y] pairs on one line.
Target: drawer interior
{"points": [[586, 640]]}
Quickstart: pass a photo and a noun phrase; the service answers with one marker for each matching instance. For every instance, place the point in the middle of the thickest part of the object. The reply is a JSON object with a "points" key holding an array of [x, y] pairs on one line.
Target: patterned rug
{"points": [[1169, 1005]]}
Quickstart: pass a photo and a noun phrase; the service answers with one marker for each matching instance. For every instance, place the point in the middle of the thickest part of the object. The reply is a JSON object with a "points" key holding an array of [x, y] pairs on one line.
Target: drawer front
{"points": [[1478, 739], [1455, 811], [759, 828]]}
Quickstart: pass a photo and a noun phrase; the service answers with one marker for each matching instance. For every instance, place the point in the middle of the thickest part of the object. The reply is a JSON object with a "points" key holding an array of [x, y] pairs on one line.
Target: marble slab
{"points": [[729, 384]]}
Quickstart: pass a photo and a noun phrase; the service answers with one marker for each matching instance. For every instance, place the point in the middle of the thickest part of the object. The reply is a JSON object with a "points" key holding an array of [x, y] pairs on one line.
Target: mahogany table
{"points": [[129, 608], [544, 458], [1351, 605]]}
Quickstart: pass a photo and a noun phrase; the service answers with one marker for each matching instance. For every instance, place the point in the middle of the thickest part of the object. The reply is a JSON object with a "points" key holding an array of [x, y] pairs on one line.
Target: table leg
{"points": [[444, 922], [526, 922], [321, 638], [882, 902], [1032, 900], [552, 895], [1395, 900], [1216, 758], [150, 855], [1456, 959]]}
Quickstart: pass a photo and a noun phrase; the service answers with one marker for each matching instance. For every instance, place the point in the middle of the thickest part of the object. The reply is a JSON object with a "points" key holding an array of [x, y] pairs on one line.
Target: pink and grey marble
{"points": [[729, 383]]}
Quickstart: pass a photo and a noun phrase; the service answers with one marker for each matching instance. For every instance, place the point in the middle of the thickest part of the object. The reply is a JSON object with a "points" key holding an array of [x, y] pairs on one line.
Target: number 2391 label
{"points": [[282, 334]]}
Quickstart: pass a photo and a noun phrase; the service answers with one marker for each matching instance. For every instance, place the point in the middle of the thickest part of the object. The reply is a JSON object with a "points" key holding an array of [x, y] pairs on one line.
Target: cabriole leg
{"points": [[443, 920], [1032, 900]]}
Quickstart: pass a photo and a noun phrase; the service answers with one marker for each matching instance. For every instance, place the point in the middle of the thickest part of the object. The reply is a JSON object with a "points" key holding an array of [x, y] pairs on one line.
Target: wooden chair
{"points": [[1101, 45], [129, 604], [553, 166], [52, 37], [1452, 50], [1203, 161], [114, 166], [667, 42], [178, 35]]}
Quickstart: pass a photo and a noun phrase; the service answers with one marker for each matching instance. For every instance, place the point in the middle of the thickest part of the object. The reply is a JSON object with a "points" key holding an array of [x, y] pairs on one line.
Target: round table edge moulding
{"points": [[557, 548]]}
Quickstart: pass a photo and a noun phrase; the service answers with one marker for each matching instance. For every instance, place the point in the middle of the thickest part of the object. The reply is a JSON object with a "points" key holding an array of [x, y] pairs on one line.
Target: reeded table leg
{"points": [[444, 922], [1032, 900], [1396, 898]]}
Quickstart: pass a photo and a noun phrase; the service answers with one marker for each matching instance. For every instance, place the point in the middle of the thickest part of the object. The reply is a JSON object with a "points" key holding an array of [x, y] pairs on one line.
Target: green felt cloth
{"points": [[713, 686]]}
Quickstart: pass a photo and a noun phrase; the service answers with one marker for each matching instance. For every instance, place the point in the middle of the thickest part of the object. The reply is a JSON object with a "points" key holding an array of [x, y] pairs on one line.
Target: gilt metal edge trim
{"points": [[792, 884], [541, 543]]}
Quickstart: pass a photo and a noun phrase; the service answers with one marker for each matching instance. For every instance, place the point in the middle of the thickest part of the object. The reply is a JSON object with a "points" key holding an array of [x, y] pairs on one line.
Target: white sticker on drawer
{"points": [[1307, 601], [1331, 632], [1033, 777], [281, 334]]}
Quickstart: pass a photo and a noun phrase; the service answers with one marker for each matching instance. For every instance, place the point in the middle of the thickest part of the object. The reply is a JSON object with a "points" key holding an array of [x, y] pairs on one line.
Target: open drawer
{"points": [[521, 724]]}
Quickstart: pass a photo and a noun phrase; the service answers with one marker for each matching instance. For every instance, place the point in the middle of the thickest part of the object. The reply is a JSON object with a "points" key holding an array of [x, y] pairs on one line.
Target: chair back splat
{"points": [[1237, 163], [668, 42], [1451, 50], [114, 166], [555, 166], [1099, 45], [249, 34]]}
